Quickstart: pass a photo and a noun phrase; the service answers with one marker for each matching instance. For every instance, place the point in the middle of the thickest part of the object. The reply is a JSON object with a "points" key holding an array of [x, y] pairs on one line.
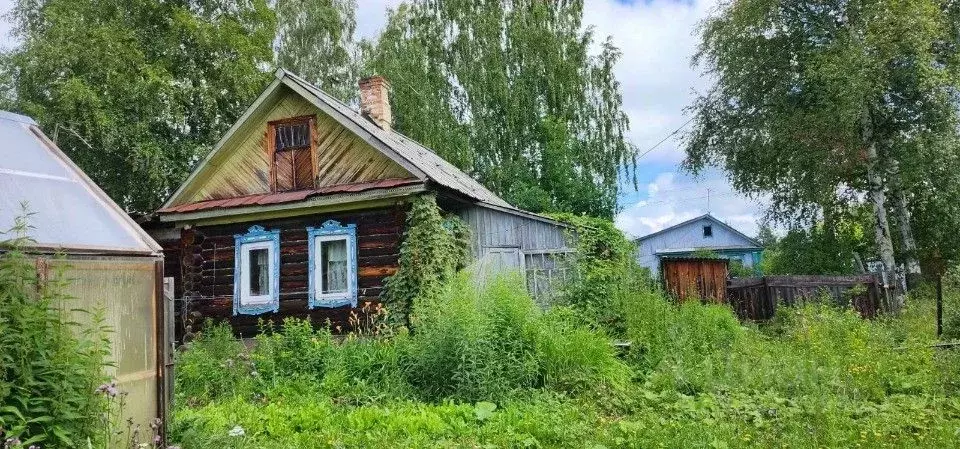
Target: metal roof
{"points": [[67, 211]]}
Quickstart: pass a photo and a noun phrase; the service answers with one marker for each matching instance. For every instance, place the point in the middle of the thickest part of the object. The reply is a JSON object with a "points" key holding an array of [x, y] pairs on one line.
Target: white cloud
{"points": [[657, 38], [672, 198]]}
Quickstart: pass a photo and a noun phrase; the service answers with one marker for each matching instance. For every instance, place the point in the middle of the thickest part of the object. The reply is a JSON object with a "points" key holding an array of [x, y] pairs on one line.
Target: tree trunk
{"points": [[908, 244], [910, 259], [881, 226]]}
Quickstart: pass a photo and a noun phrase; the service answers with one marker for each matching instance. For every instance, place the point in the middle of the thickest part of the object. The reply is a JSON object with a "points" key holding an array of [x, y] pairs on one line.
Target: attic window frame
{"points": [[311, 121], [708, 231]]}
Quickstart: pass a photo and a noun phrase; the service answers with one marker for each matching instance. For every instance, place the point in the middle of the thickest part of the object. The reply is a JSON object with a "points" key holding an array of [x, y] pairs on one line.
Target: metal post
{"points": [[939, 305]]}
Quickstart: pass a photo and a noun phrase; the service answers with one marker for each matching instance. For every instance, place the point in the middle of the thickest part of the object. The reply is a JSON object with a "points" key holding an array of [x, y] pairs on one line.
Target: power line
{"points": [[647, 151], [682, 200]]}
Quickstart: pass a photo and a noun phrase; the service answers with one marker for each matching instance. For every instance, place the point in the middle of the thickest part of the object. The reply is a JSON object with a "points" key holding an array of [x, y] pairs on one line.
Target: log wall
{"points": [[204, 275]]}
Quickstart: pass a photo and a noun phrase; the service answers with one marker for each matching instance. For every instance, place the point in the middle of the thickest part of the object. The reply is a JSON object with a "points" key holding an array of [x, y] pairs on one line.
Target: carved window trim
{"points": [[332, 230], [256, 238]]}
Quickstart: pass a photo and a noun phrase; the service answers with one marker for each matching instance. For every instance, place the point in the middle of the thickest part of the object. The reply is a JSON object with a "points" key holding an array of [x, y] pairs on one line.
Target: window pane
{"points": [[259, 271], [333, 266], [292, 135]]}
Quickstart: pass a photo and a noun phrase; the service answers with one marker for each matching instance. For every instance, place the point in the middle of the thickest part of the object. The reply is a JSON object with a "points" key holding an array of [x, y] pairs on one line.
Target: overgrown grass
{"points": [[487, 368], [49, 365]]}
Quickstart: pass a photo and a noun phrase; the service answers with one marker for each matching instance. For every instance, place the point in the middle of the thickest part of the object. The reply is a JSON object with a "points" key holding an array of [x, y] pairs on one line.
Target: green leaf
{"points": [[484, 410]]}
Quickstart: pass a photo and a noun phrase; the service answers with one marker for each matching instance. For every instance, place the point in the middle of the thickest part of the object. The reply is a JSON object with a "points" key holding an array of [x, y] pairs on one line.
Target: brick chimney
{"points": [[375, 101]]}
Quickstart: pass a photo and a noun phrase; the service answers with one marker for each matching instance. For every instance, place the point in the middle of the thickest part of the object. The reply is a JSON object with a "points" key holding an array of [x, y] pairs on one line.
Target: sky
{"points": [[657, 38]]}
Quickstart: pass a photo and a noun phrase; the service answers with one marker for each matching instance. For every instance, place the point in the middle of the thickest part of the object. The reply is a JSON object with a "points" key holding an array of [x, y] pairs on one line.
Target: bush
{"points": [[212, 366], [486, 368], [471, 345], [49, 366], [606, 269], [490, 343]]}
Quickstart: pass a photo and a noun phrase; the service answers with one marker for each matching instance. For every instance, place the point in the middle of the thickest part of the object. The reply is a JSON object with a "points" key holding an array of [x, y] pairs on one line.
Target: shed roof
{"points": [[67, 210]]}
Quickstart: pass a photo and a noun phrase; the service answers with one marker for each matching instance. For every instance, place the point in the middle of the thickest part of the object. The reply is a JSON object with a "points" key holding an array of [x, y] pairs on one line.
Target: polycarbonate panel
{"points": [[20, 148], [63, 214], [66, 211], [124, 289]]}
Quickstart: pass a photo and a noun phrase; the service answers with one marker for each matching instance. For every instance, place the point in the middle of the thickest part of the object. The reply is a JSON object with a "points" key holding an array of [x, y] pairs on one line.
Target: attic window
{"points": [[708, 231], [292, 136], [292, 146]]}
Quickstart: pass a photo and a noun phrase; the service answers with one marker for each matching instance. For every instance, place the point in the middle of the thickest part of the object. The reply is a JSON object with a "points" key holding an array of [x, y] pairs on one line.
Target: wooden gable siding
{"points": [[206, 267], [244, 167]]}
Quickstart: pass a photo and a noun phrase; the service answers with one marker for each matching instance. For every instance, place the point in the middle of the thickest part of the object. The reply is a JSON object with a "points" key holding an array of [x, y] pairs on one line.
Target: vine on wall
{"points": [[434, 247], [606, 268]]}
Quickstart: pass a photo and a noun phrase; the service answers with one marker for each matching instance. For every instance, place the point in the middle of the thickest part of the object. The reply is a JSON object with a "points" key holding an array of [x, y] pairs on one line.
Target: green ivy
{"points": [[606, 268], [434, 247]]}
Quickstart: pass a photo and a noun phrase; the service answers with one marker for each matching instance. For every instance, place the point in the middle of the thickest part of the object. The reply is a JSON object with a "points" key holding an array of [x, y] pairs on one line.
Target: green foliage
{"points": [[818, 250], [472, 344], [815, 377], [136, 92], [606, 268], [951, 304], [512, 93], [739, 270], [315, 41], [433, 248], [826, 105], [49, 366], [490, 344]]}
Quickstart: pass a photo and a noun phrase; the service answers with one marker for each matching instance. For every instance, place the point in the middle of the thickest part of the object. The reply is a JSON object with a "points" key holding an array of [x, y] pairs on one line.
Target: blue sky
{"points": [[657, 38]]}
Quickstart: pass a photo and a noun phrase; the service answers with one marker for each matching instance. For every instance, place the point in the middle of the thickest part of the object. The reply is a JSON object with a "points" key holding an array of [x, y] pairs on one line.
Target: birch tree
{"points": [[315, 39], [813, 98], [135, 92], [516, 93]]}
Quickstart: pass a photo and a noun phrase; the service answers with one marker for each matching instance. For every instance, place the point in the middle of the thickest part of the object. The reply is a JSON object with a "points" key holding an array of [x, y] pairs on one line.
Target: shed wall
{"points": [[495, 229]]}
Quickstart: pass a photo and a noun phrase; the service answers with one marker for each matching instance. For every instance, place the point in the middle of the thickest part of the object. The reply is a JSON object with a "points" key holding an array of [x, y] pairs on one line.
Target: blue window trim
{"points": [[256, 234], [333, 228]]}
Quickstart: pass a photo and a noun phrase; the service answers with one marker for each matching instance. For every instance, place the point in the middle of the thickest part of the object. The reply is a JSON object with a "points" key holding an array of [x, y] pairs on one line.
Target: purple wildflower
{"points": [[109, 389]]}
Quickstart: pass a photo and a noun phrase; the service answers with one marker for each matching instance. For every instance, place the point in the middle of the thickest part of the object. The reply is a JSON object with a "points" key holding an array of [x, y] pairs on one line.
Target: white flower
{"points": [[236, 432]]}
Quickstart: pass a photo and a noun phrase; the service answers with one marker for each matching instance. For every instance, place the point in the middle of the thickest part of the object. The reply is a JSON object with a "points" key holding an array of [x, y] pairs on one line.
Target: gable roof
{"points": [[706, 216], [415, 158], [68, 211]]}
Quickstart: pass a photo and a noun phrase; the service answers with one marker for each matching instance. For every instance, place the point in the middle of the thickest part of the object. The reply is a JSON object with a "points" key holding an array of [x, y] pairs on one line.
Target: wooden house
{"points": [[299, 210], [703, 233], [112, 266]]}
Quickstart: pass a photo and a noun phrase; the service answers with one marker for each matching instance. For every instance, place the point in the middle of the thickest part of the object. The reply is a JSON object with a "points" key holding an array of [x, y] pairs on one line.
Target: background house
{"points": [[111, 263], [300, 208], [704, 233]]}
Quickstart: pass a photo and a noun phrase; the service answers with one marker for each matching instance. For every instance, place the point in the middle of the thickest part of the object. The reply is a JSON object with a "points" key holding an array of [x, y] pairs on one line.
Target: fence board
{"points": [[758, 298]]}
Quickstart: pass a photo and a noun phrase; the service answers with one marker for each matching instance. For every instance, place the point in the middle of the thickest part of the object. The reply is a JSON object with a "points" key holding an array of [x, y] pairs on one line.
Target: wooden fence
{"points": [[758, 298]]}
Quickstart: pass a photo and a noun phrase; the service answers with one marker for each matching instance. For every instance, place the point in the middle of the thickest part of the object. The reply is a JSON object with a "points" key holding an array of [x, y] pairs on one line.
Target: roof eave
{"points": [[333, 201]]}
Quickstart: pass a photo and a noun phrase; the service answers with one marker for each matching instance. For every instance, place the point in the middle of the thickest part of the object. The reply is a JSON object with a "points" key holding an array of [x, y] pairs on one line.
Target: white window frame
{"points": [[329, 232], [246, 297], [244, 303]]}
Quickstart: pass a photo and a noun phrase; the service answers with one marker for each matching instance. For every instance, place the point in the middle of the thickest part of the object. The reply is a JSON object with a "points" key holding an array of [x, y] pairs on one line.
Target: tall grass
{"points": [[49, 366], [471, 344], [488, 368]]}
